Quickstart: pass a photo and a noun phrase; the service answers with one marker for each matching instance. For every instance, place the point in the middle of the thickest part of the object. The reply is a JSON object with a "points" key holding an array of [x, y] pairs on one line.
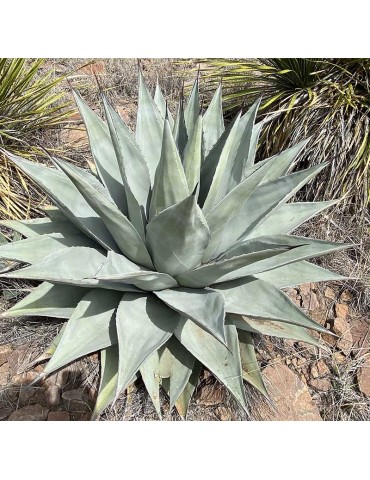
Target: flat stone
{"points": [[4, 374], [360, 331], [224, 414], [290, 396], [341, 310], [29, 395], [29, 413], [16, 359], [24, 378], [75, 137], [310, 301], [329, 293], [76, 395], [319, 369], [363, 378], [211, 395], [60, 416], [5, 412], [342, 329], [321, 384], [59, 378], [5, 351]]}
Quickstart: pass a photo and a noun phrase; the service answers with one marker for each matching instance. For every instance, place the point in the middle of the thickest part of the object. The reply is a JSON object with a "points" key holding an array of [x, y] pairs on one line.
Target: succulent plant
{"points": [[171, 252]]}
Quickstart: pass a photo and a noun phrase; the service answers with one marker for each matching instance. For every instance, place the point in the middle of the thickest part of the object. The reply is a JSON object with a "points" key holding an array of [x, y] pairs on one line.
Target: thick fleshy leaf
{"points": [[149, 373], [213, 121], [211, 161], [258, 299], [161, 103], [103, 153], [191, 112], [183, 401], [288, 217], [298, 248], [297, 273], [193, 155], [108, 379], [251, 371], [118, 268], [133, 167], [73, 266], [53, 212], [253, 145], [227, 269], [92, 321], [144, 324], [280, 163], [126, 236], [170, 184], [271, 327], [149, 128], [69, 266], [34, 249], [180, 133], [42, 226], [178, 236], [48, 300], [230, 168], [218, 219], [69, 200], [267, 197], [215, 193], [175, 368], [205, 307], [223, 362]]}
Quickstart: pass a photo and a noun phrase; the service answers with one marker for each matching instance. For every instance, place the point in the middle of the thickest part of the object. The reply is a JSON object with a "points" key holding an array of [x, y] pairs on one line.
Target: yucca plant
{"points": [[173, 254], [327, 99], [28, 105]]}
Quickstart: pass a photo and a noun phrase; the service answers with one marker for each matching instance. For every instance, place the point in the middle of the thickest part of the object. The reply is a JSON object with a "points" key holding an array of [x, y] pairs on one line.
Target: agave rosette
{"points": [[172, 252]]}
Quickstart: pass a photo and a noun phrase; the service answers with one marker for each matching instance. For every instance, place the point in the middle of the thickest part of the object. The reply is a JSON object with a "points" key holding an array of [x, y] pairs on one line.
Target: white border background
{"points": [[179, 450]]}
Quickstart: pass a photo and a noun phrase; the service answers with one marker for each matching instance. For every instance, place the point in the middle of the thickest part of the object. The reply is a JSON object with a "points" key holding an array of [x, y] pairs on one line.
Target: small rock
{"points": [[52, 395], [322, 384], [363, 378], [29, 395], [4, 374], [60, 416], [5, 412], [310, 301], [86, 417], [211, 395], [341, 310], [329, 293], [290, 396], [16, 359], [319, 369], [5, 351], [29, 413], [346, 296], [24, 378], [59, 378], [360, 331], [74, 137], [224, 414], [294, 295], [76, 395], [341, 328]]}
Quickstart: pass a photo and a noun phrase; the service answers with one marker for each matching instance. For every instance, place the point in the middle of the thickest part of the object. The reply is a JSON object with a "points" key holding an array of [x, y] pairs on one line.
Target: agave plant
{"points": [[172, 253]]}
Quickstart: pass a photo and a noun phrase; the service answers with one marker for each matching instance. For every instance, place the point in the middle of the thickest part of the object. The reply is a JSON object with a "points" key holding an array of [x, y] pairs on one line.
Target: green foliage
{"points": [[28, 104], [326, 99], [184, 271]]}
